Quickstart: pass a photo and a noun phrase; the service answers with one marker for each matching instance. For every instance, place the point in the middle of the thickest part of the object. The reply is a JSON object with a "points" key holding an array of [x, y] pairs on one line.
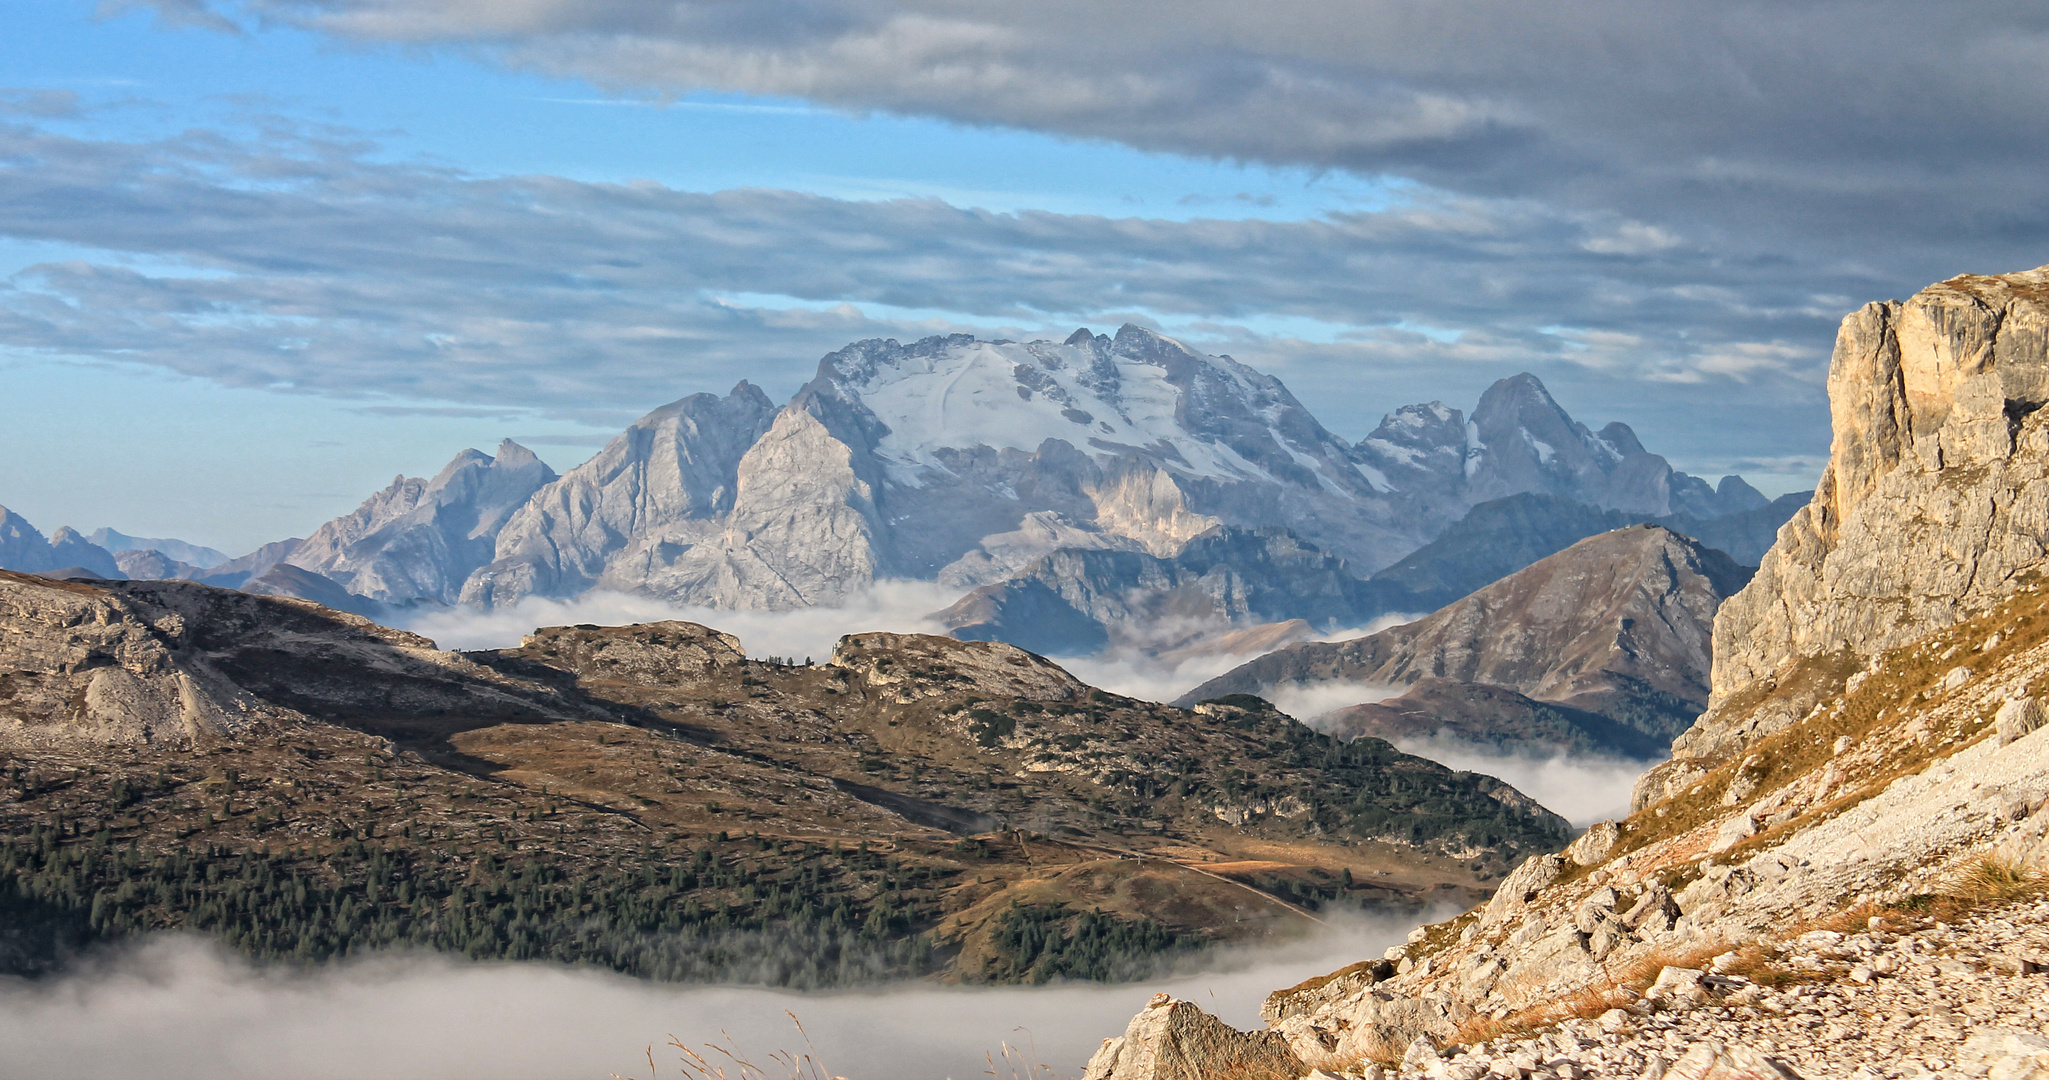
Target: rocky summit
{"points": [[1843, 870], [301, 783]]}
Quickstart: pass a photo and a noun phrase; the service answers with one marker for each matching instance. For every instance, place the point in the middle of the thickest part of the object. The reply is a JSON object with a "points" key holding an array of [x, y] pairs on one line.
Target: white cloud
{"points": [[1307, 701], [174, 1009], [1583, 788], [899, 606], [293, 262]]}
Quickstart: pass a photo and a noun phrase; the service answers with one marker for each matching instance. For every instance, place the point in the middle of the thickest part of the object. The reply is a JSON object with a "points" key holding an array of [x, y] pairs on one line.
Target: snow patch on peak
{"points": [[956, 393]]}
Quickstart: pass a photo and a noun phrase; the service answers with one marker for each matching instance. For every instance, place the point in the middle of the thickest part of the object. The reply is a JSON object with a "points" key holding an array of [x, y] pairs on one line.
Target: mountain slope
{"points": [[1071, 602], [1617, 624], [24, 549], [1501, 536], [649, 799], [191, 554]]}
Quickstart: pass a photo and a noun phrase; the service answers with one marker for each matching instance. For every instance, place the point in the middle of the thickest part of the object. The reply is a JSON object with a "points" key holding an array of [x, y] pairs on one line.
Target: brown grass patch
{"points": [[1616, 989], [1903, 686]]}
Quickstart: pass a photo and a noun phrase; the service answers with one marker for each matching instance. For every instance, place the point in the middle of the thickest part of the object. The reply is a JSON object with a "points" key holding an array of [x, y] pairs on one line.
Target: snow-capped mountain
{"points": [[965, 461], [421, 539], [954, 460], [1519, 440]]}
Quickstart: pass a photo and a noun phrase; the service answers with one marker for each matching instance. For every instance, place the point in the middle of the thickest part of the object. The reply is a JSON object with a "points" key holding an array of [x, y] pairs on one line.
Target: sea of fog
{"points": [[175, 1007]]}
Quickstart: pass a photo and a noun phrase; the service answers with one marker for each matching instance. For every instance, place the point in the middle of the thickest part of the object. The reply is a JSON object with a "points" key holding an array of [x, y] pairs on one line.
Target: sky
{"points": [[258, 256]]}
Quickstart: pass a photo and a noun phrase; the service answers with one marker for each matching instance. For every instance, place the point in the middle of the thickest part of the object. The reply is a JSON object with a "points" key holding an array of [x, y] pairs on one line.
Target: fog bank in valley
{"points": [[174, 1007], [1584, 788], [1133, 666]]}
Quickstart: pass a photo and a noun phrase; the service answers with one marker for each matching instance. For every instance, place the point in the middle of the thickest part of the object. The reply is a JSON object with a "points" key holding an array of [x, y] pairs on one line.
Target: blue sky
{"points": [[168, 454], [257, 256]]}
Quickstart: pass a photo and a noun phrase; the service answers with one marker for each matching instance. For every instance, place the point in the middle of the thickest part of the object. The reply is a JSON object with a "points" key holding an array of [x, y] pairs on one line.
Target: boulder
{"points": [[1176, 1040], [1595, 845], [1715, 1061], [2017, 718], [1997, 1054], [1532, 877]]}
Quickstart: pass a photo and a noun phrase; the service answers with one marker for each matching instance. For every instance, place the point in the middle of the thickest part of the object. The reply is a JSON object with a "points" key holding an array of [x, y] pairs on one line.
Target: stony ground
{"points": [[1900, 999]]}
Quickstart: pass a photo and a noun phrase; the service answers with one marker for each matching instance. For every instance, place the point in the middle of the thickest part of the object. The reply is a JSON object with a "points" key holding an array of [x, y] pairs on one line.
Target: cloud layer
{"points": [[176, 1008], [301, 260], [1829, 119]]}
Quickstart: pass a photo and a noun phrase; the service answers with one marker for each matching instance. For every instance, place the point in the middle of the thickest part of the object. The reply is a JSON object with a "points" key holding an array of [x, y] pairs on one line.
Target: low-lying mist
{"points": [[1583, 788], [1137, 665], [899, 606], [175, 1007]]}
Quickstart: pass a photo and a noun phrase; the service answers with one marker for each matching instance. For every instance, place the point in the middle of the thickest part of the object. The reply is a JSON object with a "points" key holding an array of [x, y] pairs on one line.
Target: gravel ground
{"points": [[1896, 1001]]}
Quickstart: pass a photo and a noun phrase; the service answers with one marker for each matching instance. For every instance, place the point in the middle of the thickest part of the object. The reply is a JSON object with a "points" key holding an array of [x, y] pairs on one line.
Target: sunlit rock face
{"points": [[966, 461], [421, 539], [1935, 504]]}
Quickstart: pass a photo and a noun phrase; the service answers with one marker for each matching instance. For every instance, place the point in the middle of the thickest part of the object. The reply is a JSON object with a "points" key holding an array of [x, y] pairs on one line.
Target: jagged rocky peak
{"points": [[23, 548], [421, 538], [1416, 446], [1694, 497], [1938, 447], [676, 465], [1520, 439]]}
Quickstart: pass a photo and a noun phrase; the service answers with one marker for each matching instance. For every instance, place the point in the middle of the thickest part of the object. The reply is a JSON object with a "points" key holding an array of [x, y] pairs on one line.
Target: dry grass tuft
{"points": [[1615, 990], [724, 1061], [1995, 880]]}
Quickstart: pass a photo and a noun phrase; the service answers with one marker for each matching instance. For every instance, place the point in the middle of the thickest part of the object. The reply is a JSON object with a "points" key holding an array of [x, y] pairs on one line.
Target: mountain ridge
{"points": [[1617, 625]]}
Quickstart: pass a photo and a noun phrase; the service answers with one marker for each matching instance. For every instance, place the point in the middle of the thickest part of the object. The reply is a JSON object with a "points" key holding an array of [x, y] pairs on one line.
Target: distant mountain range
{"points": [[1070, 490]]}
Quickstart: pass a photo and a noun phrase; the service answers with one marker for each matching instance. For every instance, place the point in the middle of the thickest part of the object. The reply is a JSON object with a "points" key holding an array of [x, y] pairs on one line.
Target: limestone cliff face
{"points": [[1876, 731], [422, 538], [671, 472], [1935, 504], [802, 530]]}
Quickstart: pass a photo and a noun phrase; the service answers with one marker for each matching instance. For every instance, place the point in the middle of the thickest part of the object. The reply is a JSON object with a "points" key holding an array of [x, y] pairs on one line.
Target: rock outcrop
{"points": [[1176, 1040], [177, 664], [1934, 506]]}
